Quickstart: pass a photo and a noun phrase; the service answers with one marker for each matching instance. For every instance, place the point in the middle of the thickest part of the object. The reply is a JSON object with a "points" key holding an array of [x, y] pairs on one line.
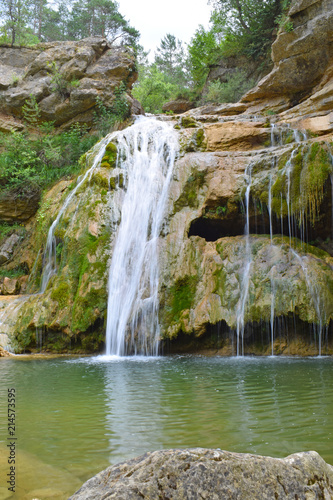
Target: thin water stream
{"points": [[77, 416]]}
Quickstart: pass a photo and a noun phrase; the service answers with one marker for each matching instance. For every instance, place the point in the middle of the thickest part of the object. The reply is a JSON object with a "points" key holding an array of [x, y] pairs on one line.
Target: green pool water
{"points": [[76, 416]]}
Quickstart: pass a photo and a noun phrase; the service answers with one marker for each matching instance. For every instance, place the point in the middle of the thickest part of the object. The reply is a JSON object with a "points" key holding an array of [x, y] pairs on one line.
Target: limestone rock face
{"points": [[301, 56], [214, 474], [90, 68], [18, 209], [246, 249], [236, 135]]}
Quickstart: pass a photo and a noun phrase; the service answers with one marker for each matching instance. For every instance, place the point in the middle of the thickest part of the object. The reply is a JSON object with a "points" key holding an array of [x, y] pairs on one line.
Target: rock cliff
{"points": [[65, 78], [246, 254], [202, 473]]}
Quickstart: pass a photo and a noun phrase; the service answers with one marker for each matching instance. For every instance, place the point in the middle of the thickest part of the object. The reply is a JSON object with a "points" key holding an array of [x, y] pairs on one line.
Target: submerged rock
{"points": [[212, 474]]}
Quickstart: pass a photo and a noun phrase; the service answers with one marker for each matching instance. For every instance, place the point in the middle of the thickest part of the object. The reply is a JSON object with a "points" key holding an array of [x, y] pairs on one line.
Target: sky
{"points": [[154, 19]]}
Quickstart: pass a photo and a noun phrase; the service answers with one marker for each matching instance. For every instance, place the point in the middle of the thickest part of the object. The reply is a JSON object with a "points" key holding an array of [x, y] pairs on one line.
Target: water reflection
{"points": [[80, 415]]}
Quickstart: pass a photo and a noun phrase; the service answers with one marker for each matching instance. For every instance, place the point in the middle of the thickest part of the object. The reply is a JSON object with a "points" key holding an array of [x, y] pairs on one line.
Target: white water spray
{"points": [[146, 153], [315, 296], [240, 313]]}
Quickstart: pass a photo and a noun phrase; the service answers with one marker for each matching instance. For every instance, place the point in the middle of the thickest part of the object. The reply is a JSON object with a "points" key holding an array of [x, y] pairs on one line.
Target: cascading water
{"points": [[146, 154], [50, 259], [240, 312], [315, 296]]}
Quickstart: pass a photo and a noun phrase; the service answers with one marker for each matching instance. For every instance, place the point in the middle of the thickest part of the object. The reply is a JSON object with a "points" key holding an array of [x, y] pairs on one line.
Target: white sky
{"points": [[155, 18]]}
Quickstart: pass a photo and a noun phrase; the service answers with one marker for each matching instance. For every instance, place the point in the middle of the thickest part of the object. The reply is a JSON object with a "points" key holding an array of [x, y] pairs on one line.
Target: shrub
{"points": [[230, 91]]}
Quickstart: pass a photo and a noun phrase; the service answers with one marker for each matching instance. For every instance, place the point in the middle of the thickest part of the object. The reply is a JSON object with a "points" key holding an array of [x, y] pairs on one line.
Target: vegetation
{"points": [[31, 161], [230, 91], [32, 21], [239, 29]]}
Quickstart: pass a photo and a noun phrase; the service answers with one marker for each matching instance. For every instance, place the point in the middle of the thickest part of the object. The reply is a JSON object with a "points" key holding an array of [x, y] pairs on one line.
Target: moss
{"points": [[188, 122], [61, 294], [105, 164], [87, 309], [310, 169], [264, 197], [189, 196], [221, 277], [110, 157], [180, 297], [100, 179]]}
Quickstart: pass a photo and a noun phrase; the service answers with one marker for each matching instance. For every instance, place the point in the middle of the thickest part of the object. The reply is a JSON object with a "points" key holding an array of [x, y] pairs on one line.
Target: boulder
{"points": [[4, 353], [8, 125], [11, 286], [7, 248], [177, 106], [12, 64], [212, 474]]}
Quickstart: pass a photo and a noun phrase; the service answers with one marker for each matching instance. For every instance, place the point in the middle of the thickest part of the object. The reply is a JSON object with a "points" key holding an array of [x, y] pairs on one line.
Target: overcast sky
{"points": [[155, 18]]}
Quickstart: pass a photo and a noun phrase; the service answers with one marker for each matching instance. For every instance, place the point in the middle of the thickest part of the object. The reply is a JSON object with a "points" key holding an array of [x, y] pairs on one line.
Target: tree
{"points": [[247, 24], [153, 89], [170, 59], [55, 24], [203, 51], [100, 18], [15, 17]]}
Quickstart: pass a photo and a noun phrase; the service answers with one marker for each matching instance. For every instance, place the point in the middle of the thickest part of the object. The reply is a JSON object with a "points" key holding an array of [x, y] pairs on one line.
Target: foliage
{"points": [[203, 52], [30, 21], [28, 164], [168, 78], [230, 91], [153, 89], [100, 18], [7, 229], [31, 111], [247, 25], [59, 84], [14, 28], [106, 117], [170, 59]]}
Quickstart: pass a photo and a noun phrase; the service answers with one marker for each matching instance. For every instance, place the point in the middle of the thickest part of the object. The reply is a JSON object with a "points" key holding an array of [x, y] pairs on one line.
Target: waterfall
{"points": [[50, 258], [146, 154], [240, 313], [315, 296]]}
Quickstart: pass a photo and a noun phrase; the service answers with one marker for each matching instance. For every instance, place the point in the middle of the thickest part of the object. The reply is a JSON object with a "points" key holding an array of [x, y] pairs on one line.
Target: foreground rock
{"points": [[212, 474]]}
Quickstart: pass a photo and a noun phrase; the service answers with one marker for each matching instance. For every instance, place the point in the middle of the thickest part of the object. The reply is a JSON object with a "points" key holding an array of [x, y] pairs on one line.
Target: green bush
{"points": [[230, 91], [106, 117]]}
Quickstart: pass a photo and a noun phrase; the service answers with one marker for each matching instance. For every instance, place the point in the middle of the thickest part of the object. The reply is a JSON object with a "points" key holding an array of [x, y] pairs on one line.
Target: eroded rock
{"points": [[301, 56], [90, 68], [212, 474]]}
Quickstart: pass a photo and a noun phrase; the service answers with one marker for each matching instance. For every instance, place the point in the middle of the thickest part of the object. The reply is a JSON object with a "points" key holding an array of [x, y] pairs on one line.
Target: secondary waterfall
{"points": [[240, 312], [50, 258], [146, 154]]}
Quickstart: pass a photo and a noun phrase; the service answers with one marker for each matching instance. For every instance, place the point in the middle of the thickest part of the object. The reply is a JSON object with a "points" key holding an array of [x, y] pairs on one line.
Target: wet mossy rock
{"points": [[202, 248], [110, 157]]}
